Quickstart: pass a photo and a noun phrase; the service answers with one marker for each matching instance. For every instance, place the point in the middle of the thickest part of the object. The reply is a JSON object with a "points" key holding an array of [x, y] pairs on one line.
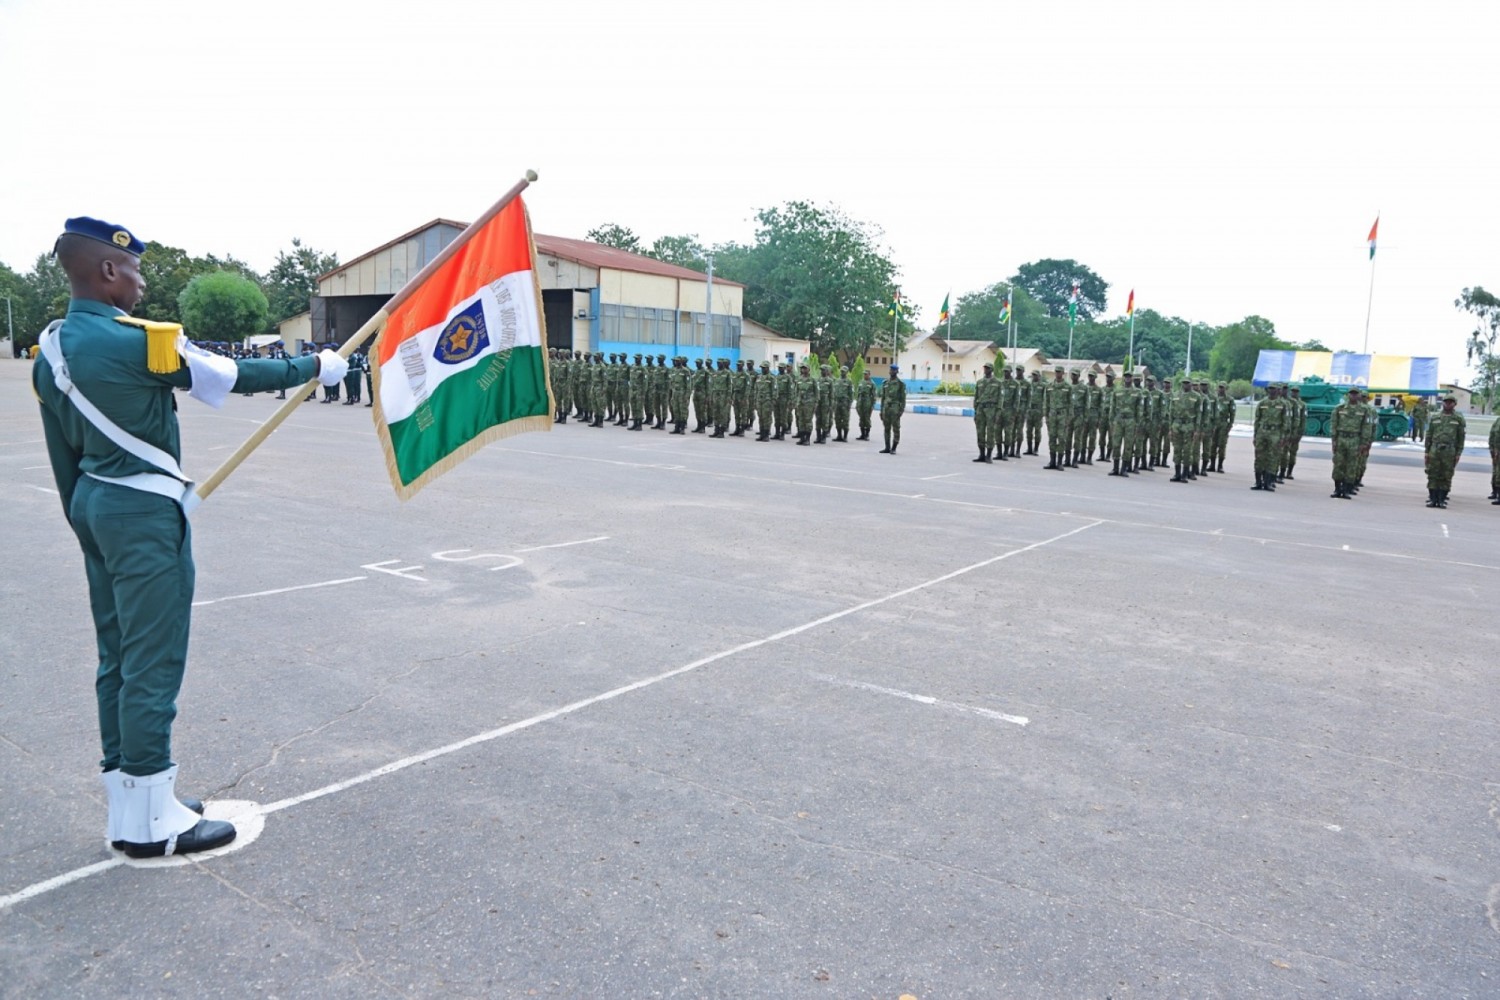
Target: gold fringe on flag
{"points": [[161, 343]]}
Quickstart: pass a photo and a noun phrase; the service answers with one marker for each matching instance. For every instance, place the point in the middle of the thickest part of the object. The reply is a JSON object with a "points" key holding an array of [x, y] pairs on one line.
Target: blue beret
{"points": [[895, 368], [105, 232]]}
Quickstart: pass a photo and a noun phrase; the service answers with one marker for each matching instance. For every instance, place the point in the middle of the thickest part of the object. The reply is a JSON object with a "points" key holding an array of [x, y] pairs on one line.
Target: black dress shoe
{"points": [[205, 836], [196, 805]]}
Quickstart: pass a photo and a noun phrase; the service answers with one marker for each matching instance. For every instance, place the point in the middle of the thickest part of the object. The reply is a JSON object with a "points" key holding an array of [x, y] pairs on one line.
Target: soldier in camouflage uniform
{"points": [[659, 380], [765, 401], [635, 393], [843, 396], [1123, 412], [1346, 433], [1185, 409], [892, 406], [562, 400], [1106, 414], [1445, 445], [739, 398], [783, 398], [864, 404], [806, 394], [1270, 427], [1420, 413], [1008, 415], [986, 411], [1372, 422], [1036, 408], [1093, 408], [1078, 405], [1296, 427], [1495, 463], [719, 387], [1059, 400], [678, 392], [1224, 410], [824, 413]]}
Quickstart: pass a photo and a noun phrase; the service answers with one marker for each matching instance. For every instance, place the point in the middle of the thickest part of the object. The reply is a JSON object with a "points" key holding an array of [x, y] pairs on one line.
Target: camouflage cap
{"points": [[843, 369], [1057, 368], [824, 368]]}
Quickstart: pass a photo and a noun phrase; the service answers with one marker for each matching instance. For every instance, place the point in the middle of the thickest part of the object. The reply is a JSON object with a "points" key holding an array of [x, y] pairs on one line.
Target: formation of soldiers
{"points": [[360, 370], [730, 401], [1130, 421]]}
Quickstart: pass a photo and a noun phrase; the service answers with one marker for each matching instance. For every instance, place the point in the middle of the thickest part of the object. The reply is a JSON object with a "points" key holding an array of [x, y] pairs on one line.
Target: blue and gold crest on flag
{"points": [[464, 336]]}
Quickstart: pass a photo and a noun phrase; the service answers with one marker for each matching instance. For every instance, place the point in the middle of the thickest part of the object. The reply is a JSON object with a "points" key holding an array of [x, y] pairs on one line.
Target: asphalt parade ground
{"points": [[618, 715]]}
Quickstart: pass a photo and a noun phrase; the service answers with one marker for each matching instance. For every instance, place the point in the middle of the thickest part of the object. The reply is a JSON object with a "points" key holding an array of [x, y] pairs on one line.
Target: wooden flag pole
{"points": [[372, 326]]}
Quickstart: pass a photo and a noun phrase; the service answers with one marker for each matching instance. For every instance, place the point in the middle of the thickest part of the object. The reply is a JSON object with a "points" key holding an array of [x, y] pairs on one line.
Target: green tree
{"points": [[223, 306], [857, 370], [1240, 388], [1485, 309], [684, 251], [1050, 282], [612, 234], [814, 272], [293, 279], [1237, 347]]}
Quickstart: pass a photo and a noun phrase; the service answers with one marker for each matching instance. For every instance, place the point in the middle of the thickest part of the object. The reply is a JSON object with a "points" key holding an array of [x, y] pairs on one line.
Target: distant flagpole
{"points": [[364, 333], [1072, 316], [1371, 301], [1130, 310]]}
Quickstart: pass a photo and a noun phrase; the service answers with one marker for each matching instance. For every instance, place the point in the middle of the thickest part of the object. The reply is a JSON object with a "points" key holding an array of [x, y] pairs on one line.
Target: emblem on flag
{"points": [[464, 336]]}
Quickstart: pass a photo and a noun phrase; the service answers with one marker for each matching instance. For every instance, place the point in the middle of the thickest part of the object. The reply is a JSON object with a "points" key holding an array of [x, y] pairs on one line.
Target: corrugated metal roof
{"points": [[579, 251]]}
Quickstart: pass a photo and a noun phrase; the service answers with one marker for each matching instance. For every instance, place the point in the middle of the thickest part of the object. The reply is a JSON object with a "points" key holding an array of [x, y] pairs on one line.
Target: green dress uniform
{"points": [[137, 550], [1445, 445], [892, 406]]}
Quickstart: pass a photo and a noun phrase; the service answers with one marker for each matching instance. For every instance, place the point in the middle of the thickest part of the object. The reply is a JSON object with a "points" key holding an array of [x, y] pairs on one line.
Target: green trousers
{"points": [[137, 554]]}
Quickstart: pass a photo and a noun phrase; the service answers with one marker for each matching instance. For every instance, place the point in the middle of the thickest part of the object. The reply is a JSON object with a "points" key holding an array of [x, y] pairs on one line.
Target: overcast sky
{"points": [[1221, 159]]}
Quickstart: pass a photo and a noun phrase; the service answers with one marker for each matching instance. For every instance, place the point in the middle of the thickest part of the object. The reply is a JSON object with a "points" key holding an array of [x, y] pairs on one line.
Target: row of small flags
{"points": [[1073, 296]]}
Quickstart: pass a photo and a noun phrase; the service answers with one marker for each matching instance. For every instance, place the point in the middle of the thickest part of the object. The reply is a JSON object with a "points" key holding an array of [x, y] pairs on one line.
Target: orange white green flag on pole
{"points": [[461, 359]]}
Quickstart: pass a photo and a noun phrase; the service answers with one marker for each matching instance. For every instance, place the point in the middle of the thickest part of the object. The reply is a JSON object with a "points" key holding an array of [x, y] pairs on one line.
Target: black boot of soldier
{"points": [[1178, 476], [1432, 498], [803, 436], [1051, 460], [1260, 481], [887, 449], [635, 425], [679, 427], [1116, 470], [764, 435], [1443, 499], [1191, 472]]}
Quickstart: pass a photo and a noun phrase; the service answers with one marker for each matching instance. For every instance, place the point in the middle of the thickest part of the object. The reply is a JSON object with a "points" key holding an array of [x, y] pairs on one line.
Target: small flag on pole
{"points": [[460, 361], [1372, 236], [1073, 303], [897, 308], [1130, 304], [1005, 309], [943, 312]]}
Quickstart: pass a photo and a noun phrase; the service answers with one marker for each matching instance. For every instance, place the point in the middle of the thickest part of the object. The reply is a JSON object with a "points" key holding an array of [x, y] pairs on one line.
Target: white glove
{"points": [[331, 367]]}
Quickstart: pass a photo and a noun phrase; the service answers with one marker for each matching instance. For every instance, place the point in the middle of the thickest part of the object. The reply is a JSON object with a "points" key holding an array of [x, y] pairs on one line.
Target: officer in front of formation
{"points": [[105, 382], [1445, 445], [892, 406], [357, 363]]}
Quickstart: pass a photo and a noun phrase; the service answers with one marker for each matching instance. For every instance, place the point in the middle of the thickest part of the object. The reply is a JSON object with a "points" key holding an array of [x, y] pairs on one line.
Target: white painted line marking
{"points": [[279, 590], [563, 545], [14, 444], [33, 468], [923, 699], [451, 555], [40, 489], [1346, 548], [30, 892], [1445, 531], [401, 571], [945, 475]]}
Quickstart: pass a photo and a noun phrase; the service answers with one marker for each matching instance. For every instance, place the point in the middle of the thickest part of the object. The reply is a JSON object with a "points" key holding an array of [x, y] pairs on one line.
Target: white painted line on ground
{"points": [[401, 571], [40, 489], [279, 590], [946, 475], [1445, 531], [33, 468], [17, 444], [563, 545], [32, 891], [923, 699]]}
